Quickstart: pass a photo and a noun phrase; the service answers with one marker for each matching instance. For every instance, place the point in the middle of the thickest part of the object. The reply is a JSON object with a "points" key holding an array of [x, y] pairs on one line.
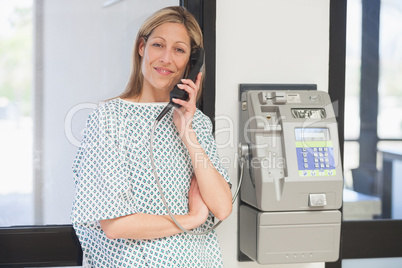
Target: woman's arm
{"points": [[147, 226], [214, 189], [144, 226]]}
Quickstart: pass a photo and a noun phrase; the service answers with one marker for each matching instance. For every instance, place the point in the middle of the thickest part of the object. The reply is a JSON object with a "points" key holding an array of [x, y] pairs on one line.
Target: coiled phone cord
{"points": [[242, 160]]}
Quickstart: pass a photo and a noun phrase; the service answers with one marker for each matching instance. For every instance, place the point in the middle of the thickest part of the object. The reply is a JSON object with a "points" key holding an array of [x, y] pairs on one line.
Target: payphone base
{"points": [[289, 237]]}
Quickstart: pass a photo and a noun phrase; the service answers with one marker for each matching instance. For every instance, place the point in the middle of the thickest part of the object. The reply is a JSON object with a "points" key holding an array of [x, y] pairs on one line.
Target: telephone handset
{"points": [[196, 62]]}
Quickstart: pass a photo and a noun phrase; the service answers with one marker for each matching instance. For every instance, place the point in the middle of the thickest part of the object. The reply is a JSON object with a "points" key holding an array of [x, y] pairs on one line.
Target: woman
{"points": [[118, 213]]}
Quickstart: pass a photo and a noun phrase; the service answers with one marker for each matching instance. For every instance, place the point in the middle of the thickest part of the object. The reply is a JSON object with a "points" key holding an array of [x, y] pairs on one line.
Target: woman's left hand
{"points": [[183, 116]]}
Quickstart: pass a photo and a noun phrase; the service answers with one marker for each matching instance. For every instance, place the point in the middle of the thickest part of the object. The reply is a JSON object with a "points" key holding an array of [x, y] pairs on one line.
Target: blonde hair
{"points": [[174, 14]]}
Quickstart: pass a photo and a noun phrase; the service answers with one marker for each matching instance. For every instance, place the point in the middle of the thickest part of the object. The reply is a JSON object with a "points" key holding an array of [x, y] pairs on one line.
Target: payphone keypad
{"points": [[315, 161]]}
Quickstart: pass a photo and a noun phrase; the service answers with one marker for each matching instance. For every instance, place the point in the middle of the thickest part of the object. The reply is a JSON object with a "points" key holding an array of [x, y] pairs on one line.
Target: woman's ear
{"points": [[141, 47]]}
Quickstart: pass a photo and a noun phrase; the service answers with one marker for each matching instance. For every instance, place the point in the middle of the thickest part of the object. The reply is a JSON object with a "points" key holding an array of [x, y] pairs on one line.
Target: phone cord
{"points": [[242, 160]]}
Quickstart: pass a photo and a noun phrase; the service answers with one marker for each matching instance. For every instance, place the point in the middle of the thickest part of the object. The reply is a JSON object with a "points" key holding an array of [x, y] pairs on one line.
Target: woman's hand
{"points": [[197, 208], [183, 116]]}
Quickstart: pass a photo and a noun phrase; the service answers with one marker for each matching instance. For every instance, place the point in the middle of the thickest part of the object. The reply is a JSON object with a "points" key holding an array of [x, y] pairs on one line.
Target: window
{"points": [[390, 83], [373, 107], [16, 129], [82, 57]]}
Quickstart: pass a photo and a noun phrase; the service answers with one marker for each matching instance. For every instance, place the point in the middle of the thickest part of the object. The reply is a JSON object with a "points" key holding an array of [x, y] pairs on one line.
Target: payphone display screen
{"points": [[312, 134], [311, 113], [315, 152]]}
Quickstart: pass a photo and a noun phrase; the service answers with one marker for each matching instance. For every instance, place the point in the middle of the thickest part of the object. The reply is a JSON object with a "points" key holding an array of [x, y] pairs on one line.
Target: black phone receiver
{"points": [[196, 63]]}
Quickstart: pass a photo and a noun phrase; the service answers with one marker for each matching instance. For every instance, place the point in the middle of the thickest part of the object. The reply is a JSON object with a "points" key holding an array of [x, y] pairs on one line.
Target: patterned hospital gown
{"points": [[113, 178]]}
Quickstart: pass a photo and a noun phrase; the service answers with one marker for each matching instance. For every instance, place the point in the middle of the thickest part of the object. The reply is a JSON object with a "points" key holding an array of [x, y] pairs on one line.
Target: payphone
{"points": [[293, 179]]}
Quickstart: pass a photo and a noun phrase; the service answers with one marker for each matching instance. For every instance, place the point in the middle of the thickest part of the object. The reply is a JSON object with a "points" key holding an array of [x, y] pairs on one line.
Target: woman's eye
{"points": [[180, 50], [157, 45]]}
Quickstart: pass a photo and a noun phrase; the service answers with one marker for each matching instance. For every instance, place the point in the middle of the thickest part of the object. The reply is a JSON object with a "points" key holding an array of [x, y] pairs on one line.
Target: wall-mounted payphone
{"points": [[293, 180]]}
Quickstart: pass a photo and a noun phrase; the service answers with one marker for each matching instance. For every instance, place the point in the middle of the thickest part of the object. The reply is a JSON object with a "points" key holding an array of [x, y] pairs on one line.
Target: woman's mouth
{"points": [[163, 71]]}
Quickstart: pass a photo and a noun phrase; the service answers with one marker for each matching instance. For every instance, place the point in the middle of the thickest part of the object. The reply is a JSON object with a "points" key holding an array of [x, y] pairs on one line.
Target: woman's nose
{"points": [[166, 56]]}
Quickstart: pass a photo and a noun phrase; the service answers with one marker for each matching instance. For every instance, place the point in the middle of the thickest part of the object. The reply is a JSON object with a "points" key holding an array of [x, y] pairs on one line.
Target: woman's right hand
{"points": [[198, 210]]}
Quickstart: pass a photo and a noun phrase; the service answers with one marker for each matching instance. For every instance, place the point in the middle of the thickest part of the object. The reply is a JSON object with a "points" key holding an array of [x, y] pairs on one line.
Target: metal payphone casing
{"points": [[293, 179]]}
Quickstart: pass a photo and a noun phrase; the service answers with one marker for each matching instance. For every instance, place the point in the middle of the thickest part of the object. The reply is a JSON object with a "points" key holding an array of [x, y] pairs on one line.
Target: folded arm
{"points": [[148, 226]]}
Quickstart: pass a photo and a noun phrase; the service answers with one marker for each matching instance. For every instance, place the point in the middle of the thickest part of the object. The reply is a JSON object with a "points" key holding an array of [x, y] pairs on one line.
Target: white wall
{"points": [[263, 41]]}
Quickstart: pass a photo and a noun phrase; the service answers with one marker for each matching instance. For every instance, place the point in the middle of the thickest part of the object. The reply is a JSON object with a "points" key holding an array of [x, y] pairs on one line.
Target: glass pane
{"points": [[390, 85], [352, 77], [371, 189], [390, 108], [391, 183], [357, 205], [81, 56], [351, 161], [16, 134]]}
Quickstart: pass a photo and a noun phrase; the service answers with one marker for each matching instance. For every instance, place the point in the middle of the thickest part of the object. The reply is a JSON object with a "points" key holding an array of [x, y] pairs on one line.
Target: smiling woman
{"points": [[117, 196]]}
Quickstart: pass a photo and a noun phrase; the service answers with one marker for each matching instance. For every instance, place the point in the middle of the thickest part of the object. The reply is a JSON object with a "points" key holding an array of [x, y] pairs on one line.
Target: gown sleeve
{"points": [[101, 175], [203, 129]]}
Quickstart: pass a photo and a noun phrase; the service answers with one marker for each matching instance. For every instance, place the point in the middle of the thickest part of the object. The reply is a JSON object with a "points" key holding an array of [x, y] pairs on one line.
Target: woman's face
{"points": [[164, 58]]}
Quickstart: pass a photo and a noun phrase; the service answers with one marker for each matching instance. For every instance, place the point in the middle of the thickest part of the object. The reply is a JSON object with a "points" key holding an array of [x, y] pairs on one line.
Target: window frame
{"points": [[39, 246]]}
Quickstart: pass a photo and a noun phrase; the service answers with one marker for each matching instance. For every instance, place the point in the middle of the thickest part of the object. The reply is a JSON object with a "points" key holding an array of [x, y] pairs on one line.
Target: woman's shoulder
{"points": [[106, 111], [107, 107], [110, 106]]}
